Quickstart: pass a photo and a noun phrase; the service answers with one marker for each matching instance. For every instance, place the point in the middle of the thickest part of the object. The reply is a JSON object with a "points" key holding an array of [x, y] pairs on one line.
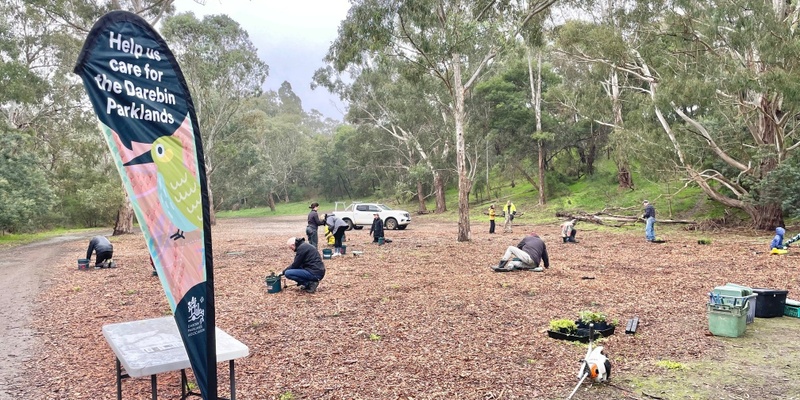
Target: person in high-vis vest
{"points": [[510, 210]]}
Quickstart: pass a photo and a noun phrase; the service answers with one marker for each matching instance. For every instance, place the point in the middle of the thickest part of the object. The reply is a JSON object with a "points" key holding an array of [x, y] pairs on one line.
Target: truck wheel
{"points": [[350, 225], [401, 227], [390, 223], [358, 227]]}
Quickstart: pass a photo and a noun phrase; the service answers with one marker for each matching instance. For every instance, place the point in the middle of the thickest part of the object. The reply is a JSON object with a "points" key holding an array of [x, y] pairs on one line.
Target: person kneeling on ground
{"points": [[307, 269], [531, 250], [104, 250], [568, 231], [777, 241]]}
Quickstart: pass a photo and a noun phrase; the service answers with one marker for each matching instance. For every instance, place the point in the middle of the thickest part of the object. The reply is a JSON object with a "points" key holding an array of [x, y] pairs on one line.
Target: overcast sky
{"points": [[291, 36]]}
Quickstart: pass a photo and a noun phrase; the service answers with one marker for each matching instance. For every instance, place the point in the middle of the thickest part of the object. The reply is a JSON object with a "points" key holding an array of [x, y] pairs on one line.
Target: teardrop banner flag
{"points": [[147, 117]]}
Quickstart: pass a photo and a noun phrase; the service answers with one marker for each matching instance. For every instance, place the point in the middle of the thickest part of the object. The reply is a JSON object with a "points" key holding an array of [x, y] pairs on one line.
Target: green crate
{"points": [[791, 311], [733, 290], [728, 321]]}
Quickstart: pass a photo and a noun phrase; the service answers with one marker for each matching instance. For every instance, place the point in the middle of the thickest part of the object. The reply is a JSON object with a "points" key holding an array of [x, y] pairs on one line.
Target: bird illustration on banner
{"points": [[178, 191]]}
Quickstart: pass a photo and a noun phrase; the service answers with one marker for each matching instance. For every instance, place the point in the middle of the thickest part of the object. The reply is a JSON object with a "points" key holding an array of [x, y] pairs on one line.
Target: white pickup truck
{"points": [[359, 215]]}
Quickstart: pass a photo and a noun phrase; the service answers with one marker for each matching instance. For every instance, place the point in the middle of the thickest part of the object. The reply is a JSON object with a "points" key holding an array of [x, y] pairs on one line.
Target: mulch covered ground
{"points": [[421, 318]]}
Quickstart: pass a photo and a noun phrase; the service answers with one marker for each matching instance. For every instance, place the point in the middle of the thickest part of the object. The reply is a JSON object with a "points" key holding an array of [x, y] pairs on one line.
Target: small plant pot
{"points": [[603, 328]]}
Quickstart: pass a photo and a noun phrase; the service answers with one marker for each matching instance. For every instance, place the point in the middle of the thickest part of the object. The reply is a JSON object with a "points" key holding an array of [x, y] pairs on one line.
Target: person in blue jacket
{"points": [[650, 221], [307, 268], [777, 241]]}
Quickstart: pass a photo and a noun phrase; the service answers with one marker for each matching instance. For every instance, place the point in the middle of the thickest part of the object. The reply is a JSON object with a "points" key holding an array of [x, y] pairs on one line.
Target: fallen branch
{"points": [[602, 218]]}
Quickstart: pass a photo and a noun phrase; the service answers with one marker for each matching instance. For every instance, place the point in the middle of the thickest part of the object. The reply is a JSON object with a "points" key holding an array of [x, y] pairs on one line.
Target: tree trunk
{"points": [[624, 176], [421, 198], [623, 170], [542, 198], [124, 223], [212, 214], [464, 184], [766, 217], [438, 186], [271, 200]]}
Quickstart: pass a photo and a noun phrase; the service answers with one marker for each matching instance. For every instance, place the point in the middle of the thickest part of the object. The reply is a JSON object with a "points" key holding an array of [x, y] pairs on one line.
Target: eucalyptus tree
{"points": [[222, 69], [406, 110], [452, 41], [50, 34], [722, 83]]}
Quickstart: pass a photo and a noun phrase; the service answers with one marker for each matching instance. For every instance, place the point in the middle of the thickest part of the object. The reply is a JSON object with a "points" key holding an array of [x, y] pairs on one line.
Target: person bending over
{"points": [[568, 231], [307, 268], [104, 250], [531, 251], [338, 227]]}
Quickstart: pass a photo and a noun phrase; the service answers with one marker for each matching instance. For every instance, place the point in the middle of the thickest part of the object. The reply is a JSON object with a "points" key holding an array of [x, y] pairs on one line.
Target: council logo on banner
{"points": [[196, 316]]}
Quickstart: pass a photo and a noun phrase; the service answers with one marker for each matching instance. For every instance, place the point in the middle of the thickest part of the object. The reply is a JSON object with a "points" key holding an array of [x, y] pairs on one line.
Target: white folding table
{"points": [[153, 346]]}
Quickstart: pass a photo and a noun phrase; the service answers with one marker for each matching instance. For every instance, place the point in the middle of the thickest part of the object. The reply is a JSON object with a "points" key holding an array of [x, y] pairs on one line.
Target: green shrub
{"points": [[563, 325]]}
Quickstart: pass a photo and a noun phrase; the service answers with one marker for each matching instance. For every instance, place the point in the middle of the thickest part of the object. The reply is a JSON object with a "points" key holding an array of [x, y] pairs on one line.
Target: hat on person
{"points": [[291, 241], [314, 204]]}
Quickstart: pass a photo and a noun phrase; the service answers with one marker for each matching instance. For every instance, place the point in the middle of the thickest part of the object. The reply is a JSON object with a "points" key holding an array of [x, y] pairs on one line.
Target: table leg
{"points": [[233, 381], [119, 380], [154, 386], [184, 384]]}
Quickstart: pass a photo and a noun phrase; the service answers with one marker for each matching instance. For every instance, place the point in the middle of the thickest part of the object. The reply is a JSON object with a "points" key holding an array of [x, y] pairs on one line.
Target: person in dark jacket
{"points": [[104, 250], [531, 251], [307, 268], [650, 221], [313, 223], [377, 228]]}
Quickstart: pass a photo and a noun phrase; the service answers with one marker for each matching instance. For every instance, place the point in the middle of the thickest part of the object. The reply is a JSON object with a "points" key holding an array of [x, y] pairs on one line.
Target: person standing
{"points": [[510, 211], [568, 231], [104, 250], [650, 220], [313, 223], [307, 269], [492, 215], [337, 226], [531, 251], [377, 228]]}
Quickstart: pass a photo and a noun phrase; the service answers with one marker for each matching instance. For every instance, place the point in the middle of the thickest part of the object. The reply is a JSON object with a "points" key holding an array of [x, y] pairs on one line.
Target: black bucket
{"points": [[770, 302], [273, 283]]}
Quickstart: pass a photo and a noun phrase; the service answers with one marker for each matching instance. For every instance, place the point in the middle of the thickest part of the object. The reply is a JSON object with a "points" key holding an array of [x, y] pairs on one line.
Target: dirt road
{"points": [[23, 272]]}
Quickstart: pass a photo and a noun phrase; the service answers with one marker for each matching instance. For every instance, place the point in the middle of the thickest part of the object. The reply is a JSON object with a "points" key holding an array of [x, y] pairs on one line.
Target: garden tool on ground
{"points": [[595, 364], [790, 241]]}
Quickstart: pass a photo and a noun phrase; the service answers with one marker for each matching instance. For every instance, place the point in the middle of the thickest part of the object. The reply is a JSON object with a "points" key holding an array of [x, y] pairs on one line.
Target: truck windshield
{"points": [[384, 207]]}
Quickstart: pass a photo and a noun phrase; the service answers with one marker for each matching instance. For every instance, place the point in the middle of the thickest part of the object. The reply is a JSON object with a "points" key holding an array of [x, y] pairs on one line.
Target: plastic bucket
{"points": [[273, 284], [326, 254], [344, 249], [770, 302], [381, 241], [83, 264]]}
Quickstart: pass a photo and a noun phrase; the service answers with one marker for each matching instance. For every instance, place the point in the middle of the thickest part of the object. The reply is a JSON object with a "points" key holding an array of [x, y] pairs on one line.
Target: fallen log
{"points": [[602, 218]]}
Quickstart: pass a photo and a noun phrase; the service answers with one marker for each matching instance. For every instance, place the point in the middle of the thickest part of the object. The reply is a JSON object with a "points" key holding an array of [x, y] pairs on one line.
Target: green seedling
{"points": [[588, 317], [563, 325], [670, 364], [130, 291], [374, 337], [286, 396], [76, 289]]}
